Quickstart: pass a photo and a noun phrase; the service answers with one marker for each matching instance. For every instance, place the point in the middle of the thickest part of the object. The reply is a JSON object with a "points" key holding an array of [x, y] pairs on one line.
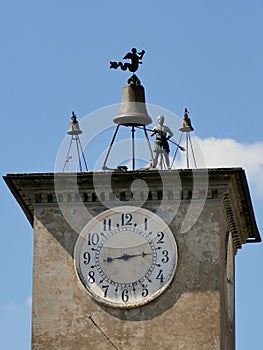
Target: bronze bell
{"points": [[186, 124], [74, 126], [133, 109]]}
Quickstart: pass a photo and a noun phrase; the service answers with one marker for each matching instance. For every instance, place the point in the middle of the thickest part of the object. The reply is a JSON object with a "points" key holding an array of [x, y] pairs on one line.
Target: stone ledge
{"points": [[31, 190]]}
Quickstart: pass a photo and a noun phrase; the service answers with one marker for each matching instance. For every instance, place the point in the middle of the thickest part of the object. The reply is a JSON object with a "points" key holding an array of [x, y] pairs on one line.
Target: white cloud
{"points": [[13, 307], [216, 153], [28, 301]]}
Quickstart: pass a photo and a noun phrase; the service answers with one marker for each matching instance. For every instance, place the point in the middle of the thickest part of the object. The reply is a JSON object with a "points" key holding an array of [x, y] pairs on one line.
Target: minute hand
{"points": [[126, 256]]}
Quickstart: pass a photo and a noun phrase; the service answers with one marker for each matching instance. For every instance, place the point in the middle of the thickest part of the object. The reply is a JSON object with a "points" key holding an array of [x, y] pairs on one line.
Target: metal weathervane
{"points": [[133, 66], [135, 58]]}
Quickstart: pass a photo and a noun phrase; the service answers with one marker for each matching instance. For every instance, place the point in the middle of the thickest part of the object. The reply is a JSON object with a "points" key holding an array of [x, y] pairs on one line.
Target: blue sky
{"points": [[202, 54]]}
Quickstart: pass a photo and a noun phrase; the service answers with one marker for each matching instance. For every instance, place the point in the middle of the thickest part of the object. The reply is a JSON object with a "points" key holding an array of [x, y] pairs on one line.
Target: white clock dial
{"points": [[125, 257]]}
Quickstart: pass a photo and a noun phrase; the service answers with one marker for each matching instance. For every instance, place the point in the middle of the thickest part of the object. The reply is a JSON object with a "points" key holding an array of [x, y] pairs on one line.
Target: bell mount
{"points": [[133, 110]]}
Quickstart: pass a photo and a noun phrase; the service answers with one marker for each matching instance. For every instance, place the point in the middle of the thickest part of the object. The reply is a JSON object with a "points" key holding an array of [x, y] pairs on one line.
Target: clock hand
{"points": [[142, 254], [126, 256]]}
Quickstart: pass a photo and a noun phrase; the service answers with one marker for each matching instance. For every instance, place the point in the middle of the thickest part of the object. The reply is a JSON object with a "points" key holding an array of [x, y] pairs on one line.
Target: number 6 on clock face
{"points": [[125, 257]]}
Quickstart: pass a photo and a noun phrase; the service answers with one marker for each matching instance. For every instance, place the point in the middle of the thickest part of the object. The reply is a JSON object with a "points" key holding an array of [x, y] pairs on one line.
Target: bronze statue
{"points": [[161, 146], [135, 58]]}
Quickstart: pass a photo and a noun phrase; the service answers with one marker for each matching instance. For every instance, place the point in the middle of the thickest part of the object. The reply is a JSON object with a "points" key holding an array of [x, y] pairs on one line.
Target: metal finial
{"points": [[74, 131], [73, 116], [186, 123], [186, 130], [74, 126]]}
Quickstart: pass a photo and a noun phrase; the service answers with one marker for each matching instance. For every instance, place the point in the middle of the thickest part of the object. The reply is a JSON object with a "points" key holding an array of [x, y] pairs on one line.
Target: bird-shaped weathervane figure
{"points": [[135, 58]]}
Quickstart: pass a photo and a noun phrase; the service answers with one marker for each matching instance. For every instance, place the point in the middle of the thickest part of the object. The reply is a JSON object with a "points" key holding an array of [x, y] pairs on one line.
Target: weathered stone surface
{"points": [[190, 314]]}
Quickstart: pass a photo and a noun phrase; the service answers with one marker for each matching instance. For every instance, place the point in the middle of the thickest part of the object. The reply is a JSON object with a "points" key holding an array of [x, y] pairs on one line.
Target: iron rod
{"points": [[109, 149], [77, 143], [175, 153], [83, 156], [133, 149], [175, 143], [187, 159], [149, 146], [67, 157], [192, 150]]}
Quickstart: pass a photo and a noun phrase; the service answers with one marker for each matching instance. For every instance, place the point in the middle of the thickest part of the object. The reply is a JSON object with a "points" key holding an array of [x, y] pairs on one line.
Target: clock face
{"points": [[126, 257]]}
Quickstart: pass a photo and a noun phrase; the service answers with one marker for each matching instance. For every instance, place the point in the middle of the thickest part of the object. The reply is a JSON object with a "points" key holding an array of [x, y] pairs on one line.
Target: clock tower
{"points": [[130, 280], [139, 259]]}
